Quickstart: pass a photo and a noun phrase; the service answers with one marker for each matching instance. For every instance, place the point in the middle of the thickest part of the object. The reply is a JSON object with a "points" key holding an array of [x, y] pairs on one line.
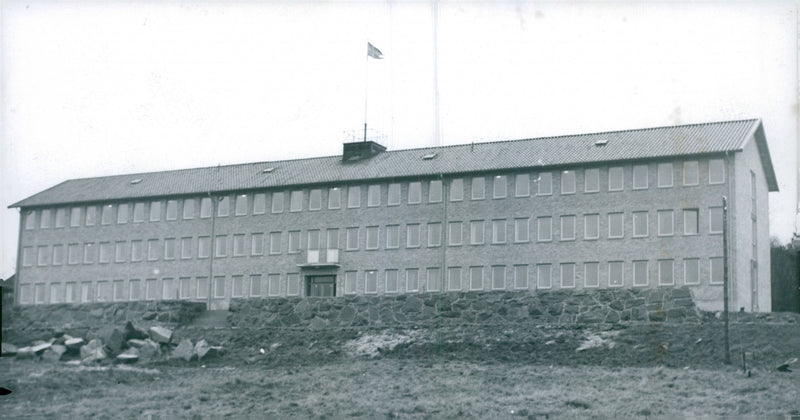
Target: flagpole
{"points": [[366, 90]]}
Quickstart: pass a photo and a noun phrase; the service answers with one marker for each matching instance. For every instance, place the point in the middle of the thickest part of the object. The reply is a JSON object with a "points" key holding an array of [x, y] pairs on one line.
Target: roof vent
{"points": [[601, 142], [430, 156], [136, 181], [360, 150], [267, 170]]}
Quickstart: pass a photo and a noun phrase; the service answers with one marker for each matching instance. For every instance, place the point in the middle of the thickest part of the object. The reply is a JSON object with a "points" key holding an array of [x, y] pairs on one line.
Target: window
{"points": [[221, 246], [434, 234], [44, 219], [640, 273], [151, 289], [500, 186], [185, 285], [237, 283], [544, 276], [412, 280], [435, 191], [498, 277], [138, 212], [27, 256], [105, 252], [665, 223], [690, 226], [203, 246], [691, 271], [591, 181], [499, 231], [333, 238], [223, 206], [206, 207], [42, 255], [691, 171], [58, 254], [521, 276], [615, 225], [715, 224], [274, 284], [169, 248], [315, 200], [91, 215], [75, 216], [155, 211], [294, 241], [521, 229], [88, 253], [202, 287], [394, 195], [353, 197], [71, 292], [105, 218], [640, 180], [39, 292], [372, 237], [137, 250], [522, 185], [257, 244], [352, 238], [476, 278], [640, 222], [153, 250], [457, 189], [374, 196], [567, 182], [454, 278], [476, 232], [591, 226], [568, 275], [120, 251], [275, 242], [568, 228], [61, 217], [434, 280], [260, 203], [350, 278], [186, 248], [615, 273], [238, 245], [716, 273], [414, 192], [122, 214], [665, 175], [716, 171], [172, 210], [119, 290], [25, 293], [665, 273], [219, 286], [412, 235], [391, 281], [615, 179], [370, 281], [189, 208], [30, 220], [335, 198], [104, 291], [544, 227], [478, 188], [55, 293], [240, 208], [591, 275], [296, 201], [277, 202], [168, 289], [454, 233], [545, 184]]}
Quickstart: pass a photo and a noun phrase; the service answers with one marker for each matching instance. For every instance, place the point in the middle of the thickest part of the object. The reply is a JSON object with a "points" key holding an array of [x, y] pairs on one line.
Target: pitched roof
{"points": [[659, 142]]}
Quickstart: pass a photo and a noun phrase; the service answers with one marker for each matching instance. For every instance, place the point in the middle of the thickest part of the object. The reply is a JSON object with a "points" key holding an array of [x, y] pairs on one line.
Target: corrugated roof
{"points": [[635, 144]]}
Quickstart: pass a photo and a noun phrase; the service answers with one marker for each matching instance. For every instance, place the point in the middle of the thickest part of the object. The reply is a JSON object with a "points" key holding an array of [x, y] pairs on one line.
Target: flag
{"points": [[374, 52]]}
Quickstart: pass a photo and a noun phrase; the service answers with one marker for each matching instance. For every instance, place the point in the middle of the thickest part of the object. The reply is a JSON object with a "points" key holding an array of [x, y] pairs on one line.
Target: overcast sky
{"points": [[103, 88]]}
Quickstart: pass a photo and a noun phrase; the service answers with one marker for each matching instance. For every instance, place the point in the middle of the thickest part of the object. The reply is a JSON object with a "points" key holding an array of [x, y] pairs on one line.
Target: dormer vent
{"points": [[360, 150], [430, 156], [601, 142]]}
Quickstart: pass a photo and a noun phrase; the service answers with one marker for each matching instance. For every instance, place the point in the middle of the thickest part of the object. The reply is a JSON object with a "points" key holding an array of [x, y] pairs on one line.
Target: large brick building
{"points": [[636, 208]]}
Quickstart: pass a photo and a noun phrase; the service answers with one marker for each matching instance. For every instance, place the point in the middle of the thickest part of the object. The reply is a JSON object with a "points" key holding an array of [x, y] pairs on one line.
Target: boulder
{"points": [[149, 315], [136, 343], [96, 356], [132, 332], [128, 356], [25, 353], [114, 341], [58, 332], [185, 350], [54, 353], [201, 349], [160, 334], [149, 351], [74, 344], [40, 348], [92, 347], [8, 350]]}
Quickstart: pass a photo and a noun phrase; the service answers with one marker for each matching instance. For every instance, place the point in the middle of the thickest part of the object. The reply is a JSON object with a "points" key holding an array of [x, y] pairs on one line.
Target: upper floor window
{"points": [[567, 228], [122, 213], [476, 232], [353, 197], [61, 217], [521, 229], [499, 231], [314, 199], [105, 218], [616, 227], [591, 180], [259, 203], [91, 215], [351, 240], [138, 213], [435, 191], [206, 207], [454, 233], [188, 208], [544, 227], [567, 182], [172, 209], [715, 224], [374, 196], [690, 225], [294, 241], [716, 171], [591, 226], [335, 198], [500, 186], [478, 188], [296, 201], [241, 205], [522, 185], [155, 211], [545, 184], [415, 192], [44, 219], [223, 207], [30, 220], [615, 179], [640, 224], [277, 202], [372, 237], [434, 234], [457, 189], [392, 236], [640, 180], [691, 171], [412, 235], [75, 216], [665, 223], [394, 194], [664, 175]]}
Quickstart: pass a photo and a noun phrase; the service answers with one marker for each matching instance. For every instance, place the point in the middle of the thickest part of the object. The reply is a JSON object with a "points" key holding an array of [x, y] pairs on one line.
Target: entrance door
{"points": [[320, 286]]}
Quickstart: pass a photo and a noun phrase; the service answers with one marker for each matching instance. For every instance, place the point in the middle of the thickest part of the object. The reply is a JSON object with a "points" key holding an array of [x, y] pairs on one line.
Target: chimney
{"points": [[360, 150]]}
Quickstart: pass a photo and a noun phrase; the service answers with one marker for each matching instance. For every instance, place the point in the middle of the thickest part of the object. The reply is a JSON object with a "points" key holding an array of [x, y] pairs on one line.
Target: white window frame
{"points": [[696, 222], [412, 286], [370, 276], [434, 240], [711, 219], [476, 232], [415, 192], [315, 199], [567, 218], [686, 269], [540, 284], [611, 225], [711, 163], [410, 234], [501, 192], [373, 238], [276, 202], [587, 223], [591, 267], [433, 283], [636, 280], [517, 283], [456, 189], [542, 179], [574, 275], [591, 174], [478, 188], [642, 181], [501, 270], [354, 197], [661, 273], [634, 218], [518, 227], [389, 230], [621, 273], [296, 201], [450, 283], [691, 165], [711, 270], [395, 192], [613, 172], [569, 179], [518, 185], [665, 170], [334, 198], [374, 195], [661, 228], [435, 189], [473, 270], [539, 221], [451, 237]]}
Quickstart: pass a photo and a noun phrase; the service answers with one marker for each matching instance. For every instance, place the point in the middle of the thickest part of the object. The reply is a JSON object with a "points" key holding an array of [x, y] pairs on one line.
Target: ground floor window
{"points": [[321, 286]]}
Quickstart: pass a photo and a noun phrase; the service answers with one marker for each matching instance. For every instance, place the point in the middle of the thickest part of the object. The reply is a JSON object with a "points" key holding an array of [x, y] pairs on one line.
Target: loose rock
{"points": [[136, 343], [40, 348], [149, 351], [185, 350], [128, 356], [133, 332], [114, 341], [93, 348], [54, 353], [74, 344], [160, 334], [25, 353]]}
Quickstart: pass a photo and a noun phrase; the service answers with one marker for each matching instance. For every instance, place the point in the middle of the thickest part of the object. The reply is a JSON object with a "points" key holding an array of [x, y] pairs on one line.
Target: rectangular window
{"points": [[105, 252], [172, 210], [715, 224], [591, 275], [203, 246], [206, 208], [544, 276], [394, 195], [457, 190], [615, 179], [716, 171], [186, 248], [435, 191], [240, 209], [591, 226], [135, 289], [335, 198], [75, 216], [544, 184], [412, 280], [499, 231], [70, 292], [169, 248], [219, 286], [138, 212], [202, 287], [25, 293], [91, 215], [521, 230], [86, 292], [277, 202], [119, 290], [716, 270], [137, 250], [151, 289], [120, 251], [104, 291], [352, 238], [500, 186], [521, 276], [223, 206], [42, 255], [412, 235], [153, 250], [476, 232], [237, 283], [374, 196], [615, 225], [30, 220], [434, 279], [498, 277], [640, 273], [370, 281], [640, 222], [522, 185], [690, 226], [189, 208], [476, 278], [691, 271], [274, 284], [591, 180], [105, 218], [221, 246], [315, 199], [353, 197], [544, 227], [275, 242], [294, 241], [640, 180], [454, 278], [185, 284], [88, 253], [58, 254], [568, 275], [568, 228], [665, 175], [665, 223], [691, 171], [615, 273], [44, 219], [333, 239], [434, 234], [27, 256], [567, 182], [257, 244], [414, 192], [478, 188], [55, 293], [454, 233], [61, 217], [296, 201], [260, 203], [350, 278], [665, 273], [391, 281], [238, 245], [155, 211], [122, 214], [372, 237], [39, 292]]}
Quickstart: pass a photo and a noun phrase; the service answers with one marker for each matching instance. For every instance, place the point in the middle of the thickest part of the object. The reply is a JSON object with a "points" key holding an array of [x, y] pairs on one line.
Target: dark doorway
{"points": [[320, 286]]}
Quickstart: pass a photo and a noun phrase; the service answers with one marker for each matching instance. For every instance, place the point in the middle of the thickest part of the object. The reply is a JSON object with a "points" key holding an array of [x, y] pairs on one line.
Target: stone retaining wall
{"points": [[544, 307]]}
